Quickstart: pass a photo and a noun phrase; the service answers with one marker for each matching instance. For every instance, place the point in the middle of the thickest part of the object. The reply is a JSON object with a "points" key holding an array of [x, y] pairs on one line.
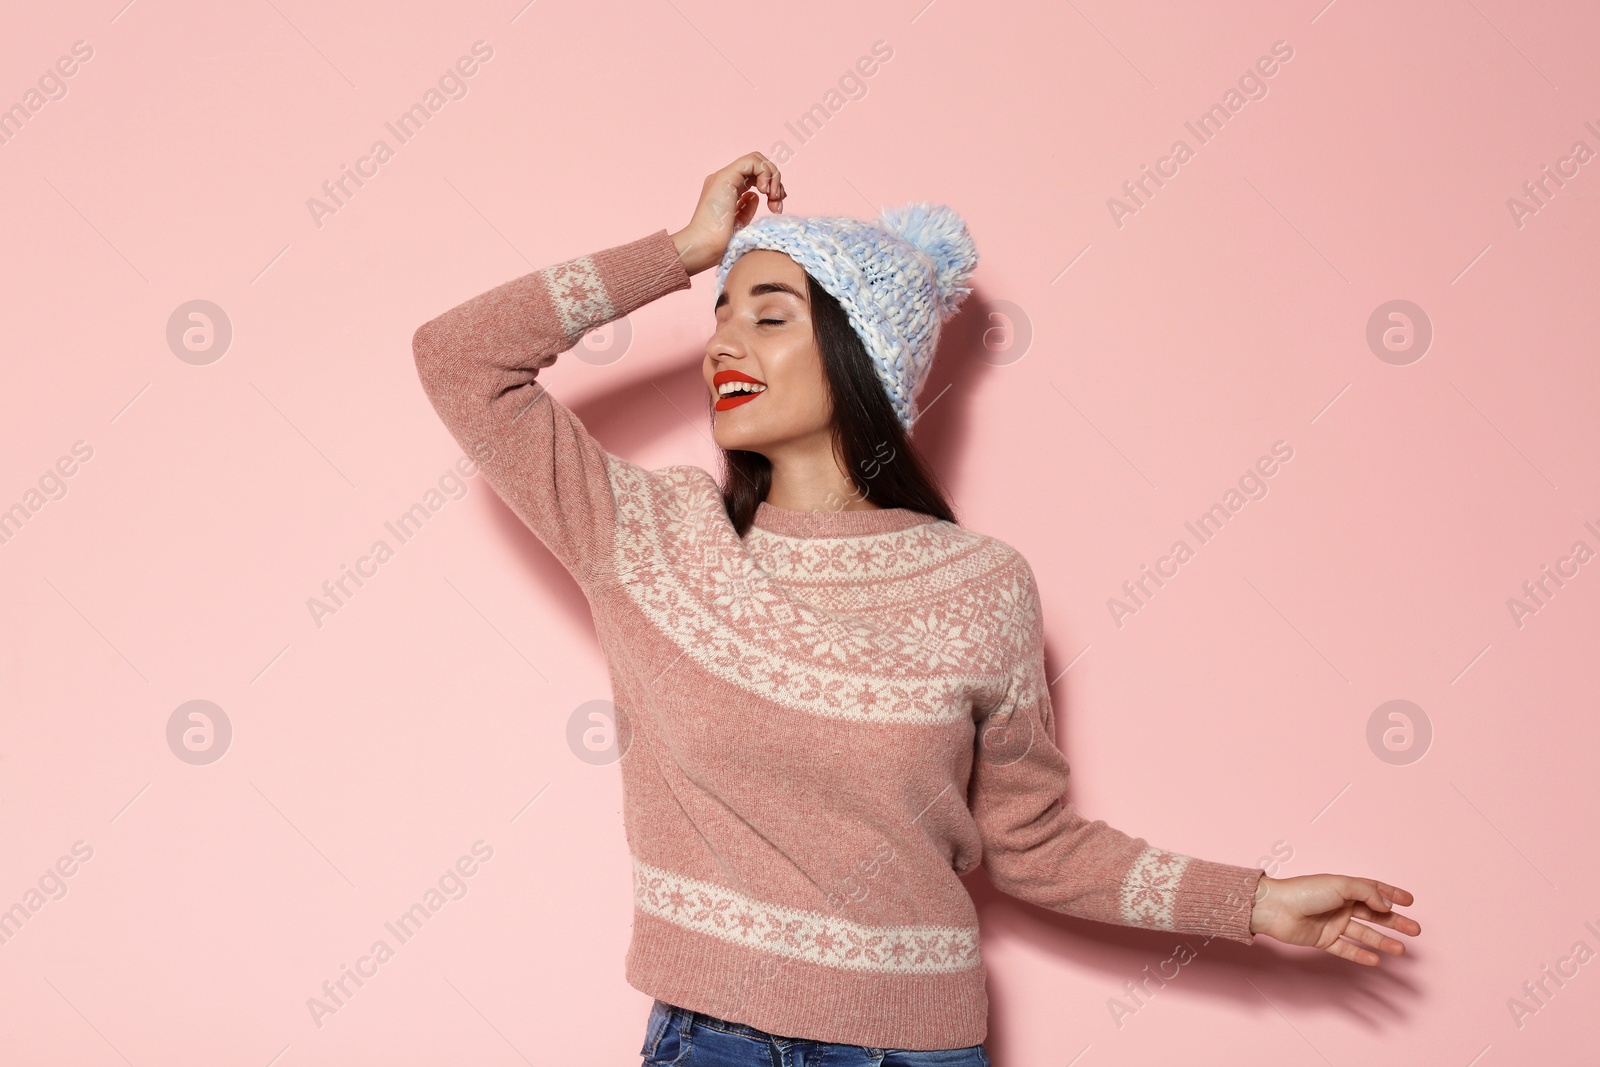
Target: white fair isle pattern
{"points": [[579, 296], [913, 550], [681, 562], [809, 936], [922, 563], [1150, 888]]}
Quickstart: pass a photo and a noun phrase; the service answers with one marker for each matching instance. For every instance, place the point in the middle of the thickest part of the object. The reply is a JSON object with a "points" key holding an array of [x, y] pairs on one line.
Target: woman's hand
{"points": [[728, 201], [1321, 910]]}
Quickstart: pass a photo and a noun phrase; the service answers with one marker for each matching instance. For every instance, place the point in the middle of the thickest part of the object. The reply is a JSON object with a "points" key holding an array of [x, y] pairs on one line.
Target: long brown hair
{"points": [[882, 463]]}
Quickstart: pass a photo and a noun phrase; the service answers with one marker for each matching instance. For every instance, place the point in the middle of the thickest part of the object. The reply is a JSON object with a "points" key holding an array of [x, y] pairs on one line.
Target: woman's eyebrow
{"points": [[761, 289]]}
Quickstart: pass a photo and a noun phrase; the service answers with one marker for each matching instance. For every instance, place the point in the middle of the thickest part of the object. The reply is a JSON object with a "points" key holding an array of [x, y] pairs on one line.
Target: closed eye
{"points": [[760, 322]]}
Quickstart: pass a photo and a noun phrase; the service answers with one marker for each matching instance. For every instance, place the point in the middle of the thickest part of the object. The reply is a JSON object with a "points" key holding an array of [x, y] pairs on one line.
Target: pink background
{"points": [[1163, 358]]}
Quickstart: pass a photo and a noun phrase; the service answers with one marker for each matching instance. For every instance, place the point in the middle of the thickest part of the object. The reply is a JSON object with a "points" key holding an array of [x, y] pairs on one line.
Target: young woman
{"points": [[831, 696]]}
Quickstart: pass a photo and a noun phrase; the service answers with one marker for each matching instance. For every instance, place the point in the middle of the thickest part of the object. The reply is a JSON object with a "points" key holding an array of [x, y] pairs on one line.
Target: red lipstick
{"points": [[726, 402]]}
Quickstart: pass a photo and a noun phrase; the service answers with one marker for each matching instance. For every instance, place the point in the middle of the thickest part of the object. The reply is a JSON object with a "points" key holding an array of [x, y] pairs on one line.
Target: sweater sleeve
{"points": [[478, 363], [1037, 847]]}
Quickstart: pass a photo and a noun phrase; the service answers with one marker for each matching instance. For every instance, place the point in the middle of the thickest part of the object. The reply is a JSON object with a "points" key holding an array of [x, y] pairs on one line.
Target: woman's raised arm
{"points": [[479, 362]]}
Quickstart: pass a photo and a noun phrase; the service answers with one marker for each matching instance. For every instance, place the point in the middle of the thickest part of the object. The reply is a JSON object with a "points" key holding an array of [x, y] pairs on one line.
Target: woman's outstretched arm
{"points": [[479, 361], [1038, 848]]}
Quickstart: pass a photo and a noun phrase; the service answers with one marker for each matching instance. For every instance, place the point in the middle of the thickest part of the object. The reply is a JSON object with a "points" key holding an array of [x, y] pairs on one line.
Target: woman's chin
{"points": [[761, 435], [736, 441]]}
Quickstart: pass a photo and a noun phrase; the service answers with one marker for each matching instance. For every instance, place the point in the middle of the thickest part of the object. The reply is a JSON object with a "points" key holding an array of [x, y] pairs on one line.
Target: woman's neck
{"points": [[812, 478]]}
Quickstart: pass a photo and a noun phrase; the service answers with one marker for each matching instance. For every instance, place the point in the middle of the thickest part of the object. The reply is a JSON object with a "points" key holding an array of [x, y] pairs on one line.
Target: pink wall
{"points": [[1166, 354]]}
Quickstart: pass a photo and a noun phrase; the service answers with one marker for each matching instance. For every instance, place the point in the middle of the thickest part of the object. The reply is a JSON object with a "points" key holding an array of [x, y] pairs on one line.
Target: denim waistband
{"points": [[685, 1020], [692, 1018]]}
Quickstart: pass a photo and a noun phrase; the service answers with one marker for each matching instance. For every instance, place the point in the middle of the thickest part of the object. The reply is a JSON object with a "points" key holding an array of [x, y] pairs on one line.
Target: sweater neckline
{"points": [[825, 523]]}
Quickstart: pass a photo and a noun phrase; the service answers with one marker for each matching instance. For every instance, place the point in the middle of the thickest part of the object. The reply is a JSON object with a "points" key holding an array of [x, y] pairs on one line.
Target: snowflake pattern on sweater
{"points": [[827, 721]]}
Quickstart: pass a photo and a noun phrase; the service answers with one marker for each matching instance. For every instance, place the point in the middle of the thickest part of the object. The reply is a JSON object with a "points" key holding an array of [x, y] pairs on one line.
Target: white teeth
{"points": [[733, 388]]}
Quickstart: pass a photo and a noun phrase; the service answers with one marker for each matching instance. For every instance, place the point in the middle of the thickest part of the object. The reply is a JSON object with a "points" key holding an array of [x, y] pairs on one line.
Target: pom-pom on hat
{"points": [[898, 278]]}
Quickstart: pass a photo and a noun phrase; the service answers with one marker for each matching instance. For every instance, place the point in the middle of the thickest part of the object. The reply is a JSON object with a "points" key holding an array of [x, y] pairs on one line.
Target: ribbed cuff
{"points": [[1216, 900], [639, 271]]}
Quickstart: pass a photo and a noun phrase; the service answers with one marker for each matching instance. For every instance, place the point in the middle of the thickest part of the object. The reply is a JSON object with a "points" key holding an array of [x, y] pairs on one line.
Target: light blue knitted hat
{"points": [[898, 278]]}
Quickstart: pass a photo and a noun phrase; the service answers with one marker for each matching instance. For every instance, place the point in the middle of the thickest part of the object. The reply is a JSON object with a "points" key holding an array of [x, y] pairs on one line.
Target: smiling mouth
{"points": [[735, 388]]}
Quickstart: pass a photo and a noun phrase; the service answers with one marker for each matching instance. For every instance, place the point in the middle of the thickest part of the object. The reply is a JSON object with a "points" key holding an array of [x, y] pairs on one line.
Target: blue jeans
{"points": [[682, 1038]]}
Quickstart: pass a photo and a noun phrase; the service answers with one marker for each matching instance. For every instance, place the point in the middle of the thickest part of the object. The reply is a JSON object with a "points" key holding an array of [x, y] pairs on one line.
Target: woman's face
{"points": [[764, 332]]}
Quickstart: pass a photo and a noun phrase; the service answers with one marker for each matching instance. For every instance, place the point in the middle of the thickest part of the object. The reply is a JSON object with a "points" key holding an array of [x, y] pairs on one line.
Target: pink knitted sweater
{"points": [[825, 723]]}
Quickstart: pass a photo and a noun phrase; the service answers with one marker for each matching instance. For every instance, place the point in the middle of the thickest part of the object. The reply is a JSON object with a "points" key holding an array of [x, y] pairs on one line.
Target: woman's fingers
{"points": [[1368, 936], [757, 170], [1354, 953], [752, 171], [1375, 902], [769, 183], [1365, 891], [1396, 894], [749, 168], [1392, 919], [1381, 910], [775, 190], [749, 200]]}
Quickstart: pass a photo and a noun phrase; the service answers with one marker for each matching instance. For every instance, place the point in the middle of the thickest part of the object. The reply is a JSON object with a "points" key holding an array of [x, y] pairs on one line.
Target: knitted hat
{"points": [[897, 278]]}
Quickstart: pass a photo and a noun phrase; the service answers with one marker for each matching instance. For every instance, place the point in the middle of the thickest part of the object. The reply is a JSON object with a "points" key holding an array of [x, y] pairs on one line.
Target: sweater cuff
{"points": [[639, 271], [1216, 900]]}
